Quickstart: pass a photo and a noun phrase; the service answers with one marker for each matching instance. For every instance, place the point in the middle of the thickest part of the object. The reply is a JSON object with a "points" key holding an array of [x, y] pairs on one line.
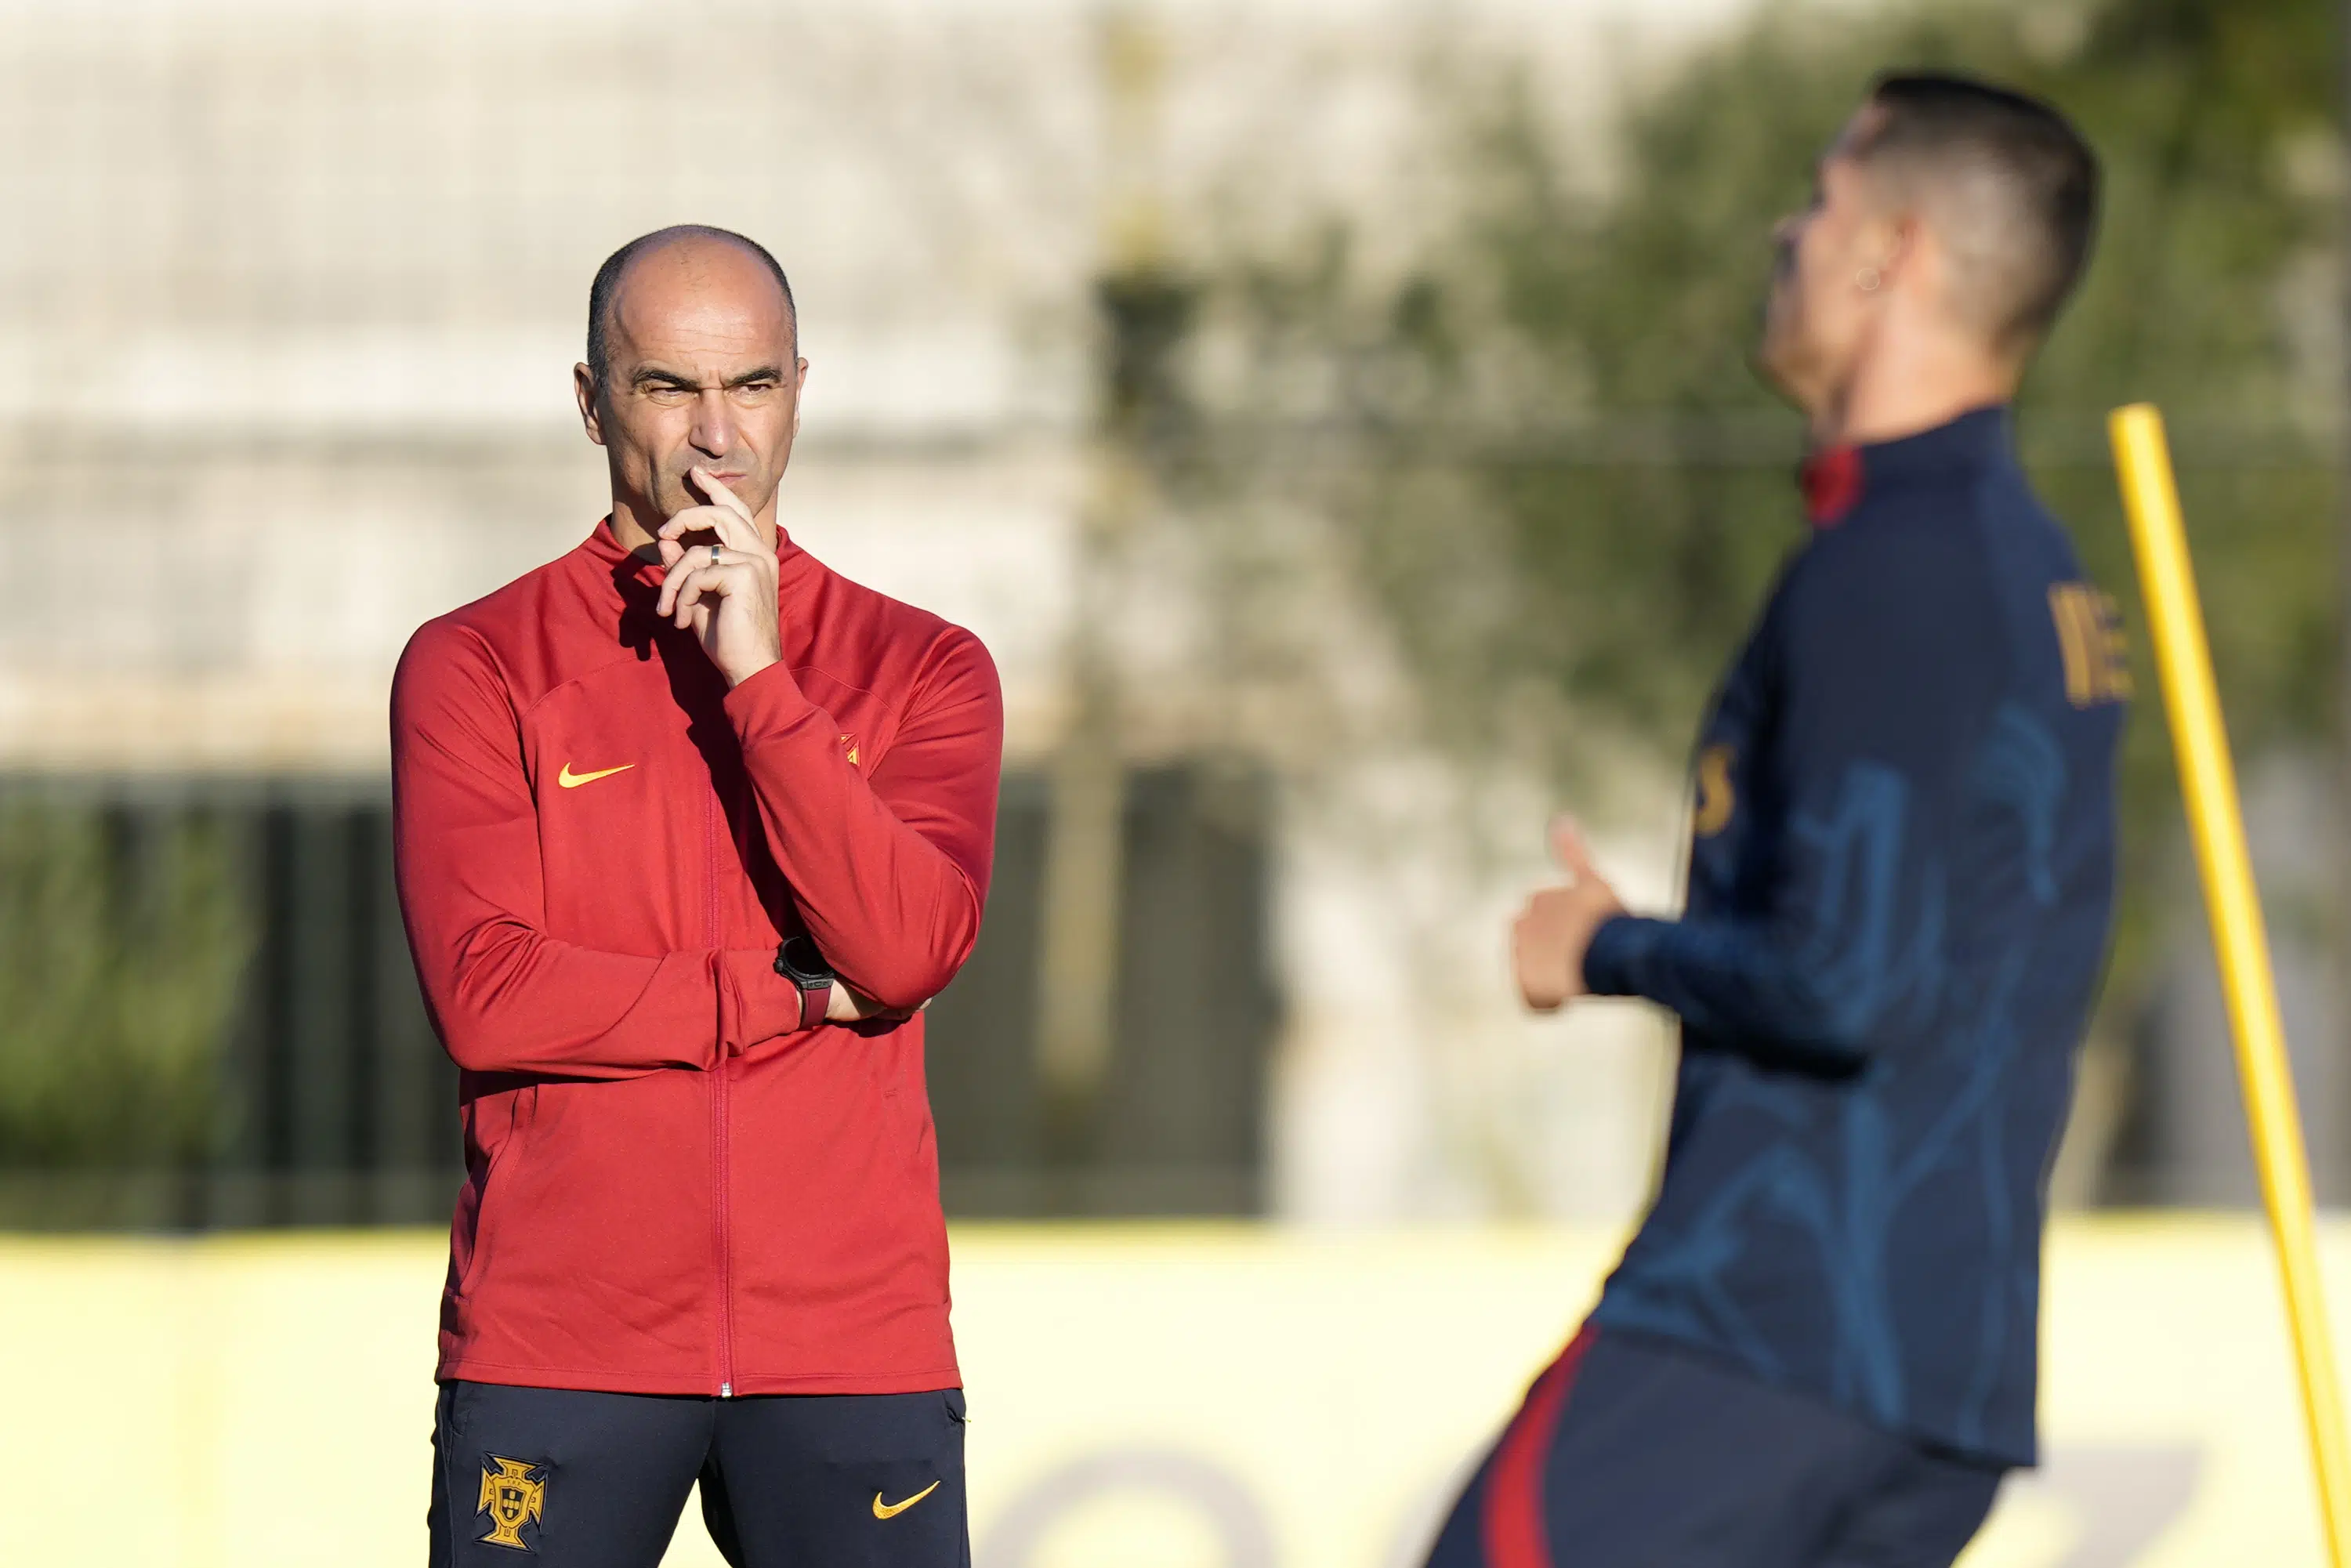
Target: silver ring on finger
{"points": [[714, 555]]}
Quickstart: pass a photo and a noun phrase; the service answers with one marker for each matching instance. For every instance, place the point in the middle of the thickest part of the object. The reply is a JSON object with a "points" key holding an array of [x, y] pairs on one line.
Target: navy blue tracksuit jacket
{"points": [[1899, 893]]}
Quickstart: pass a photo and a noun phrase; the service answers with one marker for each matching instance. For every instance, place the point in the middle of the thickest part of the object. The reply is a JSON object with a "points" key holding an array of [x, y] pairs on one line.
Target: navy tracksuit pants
{"points": [[1634, 1453], [580, 1479]]}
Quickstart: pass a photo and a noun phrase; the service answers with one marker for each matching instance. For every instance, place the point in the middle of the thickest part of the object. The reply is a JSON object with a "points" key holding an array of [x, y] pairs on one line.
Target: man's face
{"points": [[1827, 284], [703, 373]]}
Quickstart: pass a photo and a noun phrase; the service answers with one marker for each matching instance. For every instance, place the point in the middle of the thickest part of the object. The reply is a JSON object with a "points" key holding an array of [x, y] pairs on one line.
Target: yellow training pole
{"points": [[2208, 782]]}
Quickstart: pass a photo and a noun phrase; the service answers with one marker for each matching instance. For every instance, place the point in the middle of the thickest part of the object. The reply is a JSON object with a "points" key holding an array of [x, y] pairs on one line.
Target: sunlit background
{"points": [[1333, 415]]}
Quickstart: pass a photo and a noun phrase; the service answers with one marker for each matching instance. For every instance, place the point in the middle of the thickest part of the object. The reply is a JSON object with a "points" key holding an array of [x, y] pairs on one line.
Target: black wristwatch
{"points": [[799, 961]]}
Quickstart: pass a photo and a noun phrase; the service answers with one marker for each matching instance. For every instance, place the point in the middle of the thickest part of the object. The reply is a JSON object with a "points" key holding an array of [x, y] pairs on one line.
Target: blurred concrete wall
{"points": [[294, 290]]}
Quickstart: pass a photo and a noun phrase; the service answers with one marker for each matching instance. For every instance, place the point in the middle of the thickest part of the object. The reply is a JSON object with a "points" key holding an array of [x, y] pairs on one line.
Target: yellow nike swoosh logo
{"points": [[893, 1509], [572, 780]]}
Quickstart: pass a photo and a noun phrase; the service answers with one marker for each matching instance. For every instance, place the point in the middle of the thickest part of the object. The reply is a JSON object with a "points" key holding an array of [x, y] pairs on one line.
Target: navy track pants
{"points": [[1634, 1453], [578, 1480]]}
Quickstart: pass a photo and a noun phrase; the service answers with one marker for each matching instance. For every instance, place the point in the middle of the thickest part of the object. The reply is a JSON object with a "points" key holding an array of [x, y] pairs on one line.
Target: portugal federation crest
{"points": [[512, 1495]]}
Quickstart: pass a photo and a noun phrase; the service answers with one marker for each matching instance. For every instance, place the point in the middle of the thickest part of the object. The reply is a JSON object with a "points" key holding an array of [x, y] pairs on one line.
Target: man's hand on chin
{"points": [[724, 593], [1551, 933]]}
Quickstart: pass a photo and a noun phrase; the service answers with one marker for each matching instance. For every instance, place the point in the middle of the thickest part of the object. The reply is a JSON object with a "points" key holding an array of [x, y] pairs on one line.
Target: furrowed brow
{"points": [[764, 373]]}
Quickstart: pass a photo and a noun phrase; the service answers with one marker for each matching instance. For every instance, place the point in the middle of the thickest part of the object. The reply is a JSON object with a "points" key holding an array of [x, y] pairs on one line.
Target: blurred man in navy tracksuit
{"points": [[1819, 1349]]}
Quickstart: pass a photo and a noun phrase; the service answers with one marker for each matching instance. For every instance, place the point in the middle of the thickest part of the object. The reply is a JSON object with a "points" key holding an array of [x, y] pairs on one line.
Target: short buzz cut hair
{"points": [[2015, 185], [600, 293]]}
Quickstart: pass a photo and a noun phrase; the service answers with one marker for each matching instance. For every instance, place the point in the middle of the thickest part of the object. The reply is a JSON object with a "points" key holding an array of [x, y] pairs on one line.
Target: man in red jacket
{"points": [[689, 829]]}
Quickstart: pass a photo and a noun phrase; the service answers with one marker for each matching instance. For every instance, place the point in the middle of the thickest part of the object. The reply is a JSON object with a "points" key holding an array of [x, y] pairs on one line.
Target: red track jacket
{"points": [[672, 1187]]}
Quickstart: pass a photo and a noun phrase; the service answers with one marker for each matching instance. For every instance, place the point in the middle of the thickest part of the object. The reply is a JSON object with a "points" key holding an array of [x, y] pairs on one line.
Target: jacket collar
{"points": [[1835, 479], [794, 565]]}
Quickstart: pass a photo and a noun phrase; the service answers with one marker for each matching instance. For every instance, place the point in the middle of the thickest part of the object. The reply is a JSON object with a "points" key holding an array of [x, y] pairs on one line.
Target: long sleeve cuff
{"points": [[765, 1003], [1615, 960], [767, 704]]}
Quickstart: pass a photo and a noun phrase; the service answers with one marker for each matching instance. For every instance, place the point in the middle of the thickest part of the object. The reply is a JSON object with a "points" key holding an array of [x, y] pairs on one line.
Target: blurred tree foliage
{"points": [[1568, 493], [123, 943]]}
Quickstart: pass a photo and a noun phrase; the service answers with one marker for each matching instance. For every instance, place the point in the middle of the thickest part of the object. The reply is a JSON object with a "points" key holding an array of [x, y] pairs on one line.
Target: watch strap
{"points": [[814, 1000]]}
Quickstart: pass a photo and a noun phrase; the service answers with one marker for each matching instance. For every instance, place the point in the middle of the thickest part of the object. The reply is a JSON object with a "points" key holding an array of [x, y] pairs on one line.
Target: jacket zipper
{"points": [[719, 1118]]}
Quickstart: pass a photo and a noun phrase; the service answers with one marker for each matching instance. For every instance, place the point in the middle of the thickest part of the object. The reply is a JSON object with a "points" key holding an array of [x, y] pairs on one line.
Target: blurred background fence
{"points": [[211, 1019], [1332, 413]]}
